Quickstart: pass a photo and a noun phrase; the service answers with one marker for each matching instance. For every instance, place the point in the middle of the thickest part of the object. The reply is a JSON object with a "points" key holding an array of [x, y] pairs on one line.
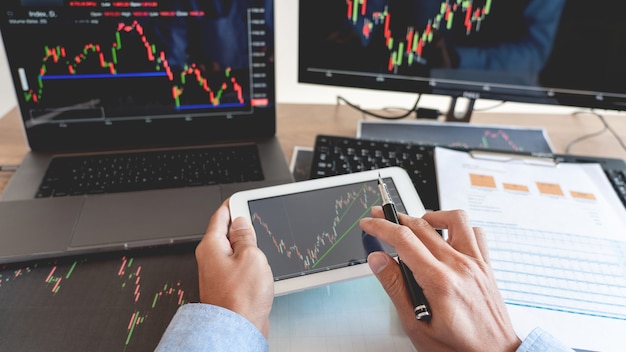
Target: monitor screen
{"points": [[112, 70], [536, 51]]}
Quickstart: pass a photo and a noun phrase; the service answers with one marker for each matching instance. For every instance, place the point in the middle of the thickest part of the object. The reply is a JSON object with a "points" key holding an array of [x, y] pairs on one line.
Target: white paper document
{"points": [[557, 242]]}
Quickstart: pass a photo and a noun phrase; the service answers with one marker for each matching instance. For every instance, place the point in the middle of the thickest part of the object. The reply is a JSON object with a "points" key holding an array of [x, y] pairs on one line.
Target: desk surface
{"points": [[298, 124], [51, 288]]}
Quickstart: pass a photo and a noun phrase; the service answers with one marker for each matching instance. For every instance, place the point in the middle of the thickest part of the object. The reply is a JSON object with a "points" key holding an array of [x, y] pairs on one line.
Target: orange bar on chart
{"points": [[482, 181], [552, 189], [583, 195], [515, 187]]}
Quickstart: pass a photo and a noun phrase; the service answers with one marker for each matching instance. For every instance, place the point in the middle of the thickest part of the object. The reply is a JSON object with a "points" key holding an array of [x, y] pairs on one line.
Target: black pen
{"points": [[420, 305]]}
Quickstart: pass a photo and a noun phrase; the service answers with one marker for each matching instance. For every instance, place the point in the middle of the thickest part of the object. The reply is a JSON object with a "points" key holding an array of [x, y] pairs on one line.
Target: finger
{"points": [[422, 229], [460, 233], [241, 234], [481, 241], [388, 273], [217, 231], [426, 234], [377, 212], [403, 240]]}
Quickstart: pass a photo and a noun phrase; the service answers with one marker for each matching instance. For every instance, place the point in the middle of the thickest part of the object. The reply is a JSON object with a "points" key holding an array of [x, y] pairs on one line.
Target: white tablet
{"points": [[309, 230]]}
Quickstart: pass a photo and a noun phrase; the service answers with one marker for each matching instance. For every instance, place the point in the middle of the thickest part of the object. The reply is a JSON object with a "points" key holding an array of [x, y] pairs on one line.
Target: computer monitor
{"points": [[104, 72], [554, 52]]}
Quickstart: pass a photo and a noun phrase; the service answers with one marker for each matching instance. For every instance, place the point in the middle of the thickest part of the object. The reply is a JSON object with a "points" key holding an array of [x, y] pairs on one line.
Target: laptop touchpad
{"points": [[145, 218], [37, 226]]}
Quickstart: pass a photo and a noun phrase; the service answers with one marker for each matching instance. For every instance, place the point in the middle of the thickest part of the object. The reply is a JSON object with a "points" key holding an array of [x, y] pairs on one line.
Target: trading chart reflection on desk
{"points": [[105, 302]]}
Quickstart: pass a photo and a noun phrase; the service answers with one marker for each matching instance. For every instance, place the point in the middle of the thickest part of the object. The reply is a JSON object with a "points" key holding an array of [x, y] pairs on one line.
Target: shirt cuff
{"points": [[205, 327], [541, 340]]}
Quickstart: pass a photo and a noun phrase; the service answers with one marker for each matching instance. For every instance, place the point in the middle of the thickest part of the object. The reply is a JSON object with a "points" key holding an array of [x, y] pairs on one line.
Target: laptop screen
{"points": [[110, 74]]}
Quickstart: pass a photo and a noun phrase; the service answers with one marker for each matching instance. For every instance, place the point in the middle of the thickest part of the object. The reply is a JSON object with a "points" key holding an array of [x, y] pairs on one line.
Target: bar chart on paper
{"points": [[556, 241]]}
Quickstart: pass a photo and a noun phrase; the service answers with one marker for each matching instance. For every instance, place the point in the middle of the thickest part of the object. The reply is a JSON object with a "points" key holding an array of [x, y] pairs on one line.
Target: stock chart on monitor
{"points": [[550, 52], [116, 60], [393, 43]]}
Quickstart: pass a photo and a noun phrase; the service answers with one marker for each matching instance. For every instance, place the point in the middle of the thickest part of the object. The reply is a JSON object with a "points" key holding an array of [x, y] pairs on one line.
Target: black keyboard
{"points": [[336, 155], [615, 170], [137, 171]]}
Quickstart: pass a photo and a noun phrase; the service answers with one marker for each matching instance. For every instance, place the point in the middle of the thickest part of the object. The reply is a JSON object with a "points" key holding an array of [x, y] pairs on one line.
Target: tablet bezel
{"points": [[238, 204]]}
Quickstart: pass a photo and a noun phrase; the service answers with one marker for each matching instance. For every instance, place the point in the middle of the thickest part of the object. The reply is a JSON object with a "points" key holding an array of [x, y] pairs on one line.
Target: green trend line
{"points": [[345, 233]]}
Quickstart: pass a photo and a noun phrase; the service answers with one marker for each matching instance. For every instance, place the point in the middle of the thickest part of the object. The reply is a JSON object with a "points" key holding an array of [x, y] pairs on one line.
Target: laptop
{"points": [[95, 78]]}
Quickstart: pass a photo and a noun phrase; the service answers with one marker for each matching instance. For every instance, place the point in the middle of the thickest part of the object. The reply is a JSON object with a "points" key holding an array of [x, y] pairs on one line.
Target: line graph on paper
{"points": [[108, 302], [314, 231]]}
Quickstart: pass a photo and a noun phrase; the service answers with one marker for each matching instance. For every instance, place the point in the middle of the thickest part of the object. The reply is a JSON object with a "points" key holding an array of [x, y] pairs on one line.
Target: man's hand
{"points": [[468, 312], [233, 271]]}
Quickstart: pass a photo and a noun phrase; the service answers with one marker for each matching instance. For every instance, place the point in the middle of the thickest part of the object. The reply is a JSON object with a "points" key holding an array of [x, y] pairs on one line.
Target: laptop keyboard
{"points": [[110, 173], [336, 155]]}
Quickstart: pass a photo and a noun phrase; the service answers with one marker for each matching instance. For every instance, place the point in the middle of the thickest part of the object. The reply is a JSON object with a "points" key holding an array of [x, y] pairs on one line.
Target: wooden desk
{"points": [[298, 124], [13, 144]]}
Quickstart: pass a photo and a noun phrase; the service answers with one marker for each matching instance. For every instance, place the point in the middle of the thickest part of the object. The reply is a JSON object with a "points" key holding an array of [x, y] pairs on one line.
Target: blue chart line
{"points": [[103, 76]]}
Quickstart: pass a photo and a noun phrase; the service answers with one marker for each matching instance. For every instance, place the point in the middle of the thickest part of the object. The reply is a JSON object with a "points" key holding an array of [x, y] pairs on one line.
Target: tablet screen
{"points": [[313, 231]]}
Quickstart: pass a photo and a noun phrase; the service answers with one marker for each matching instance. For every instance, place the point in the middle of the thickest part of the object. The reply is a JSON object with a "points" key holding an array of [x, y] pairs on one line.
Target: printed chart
{"points": [[556, 242]]}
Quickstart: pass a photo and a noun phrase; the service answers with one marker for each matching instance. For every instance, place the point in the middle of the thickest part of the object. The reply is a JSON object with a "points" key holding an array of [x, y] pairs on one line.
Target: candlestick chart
{"points": [[131, 63], [313, 231], [103, 302], [406, 45]]}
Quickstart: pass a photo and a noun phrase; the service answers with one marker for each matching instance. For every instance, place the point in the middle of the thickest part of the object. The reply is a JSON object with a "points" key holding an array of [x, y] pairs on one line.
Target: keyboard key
{"points": [[335, 155]]}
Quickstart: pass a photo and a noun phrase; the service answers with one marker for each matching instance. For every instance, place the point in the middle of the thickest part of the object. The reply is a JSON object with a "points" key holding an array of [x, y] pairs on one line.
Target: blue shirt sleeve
{"points": [[540, 340], [205, 327]]}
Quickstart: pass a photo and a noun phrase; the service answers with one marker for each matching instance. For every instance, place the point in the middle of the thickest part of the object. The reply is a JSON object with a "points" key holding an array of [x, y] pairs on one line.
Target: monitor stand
{"points": [[463, 115]]}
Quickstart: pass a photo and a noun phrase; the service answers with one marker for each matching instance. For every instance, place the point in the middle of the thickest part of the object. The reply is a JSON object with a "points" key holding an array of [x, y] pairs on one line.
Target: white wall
{"points": [[7, 95], [290, 91]]}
